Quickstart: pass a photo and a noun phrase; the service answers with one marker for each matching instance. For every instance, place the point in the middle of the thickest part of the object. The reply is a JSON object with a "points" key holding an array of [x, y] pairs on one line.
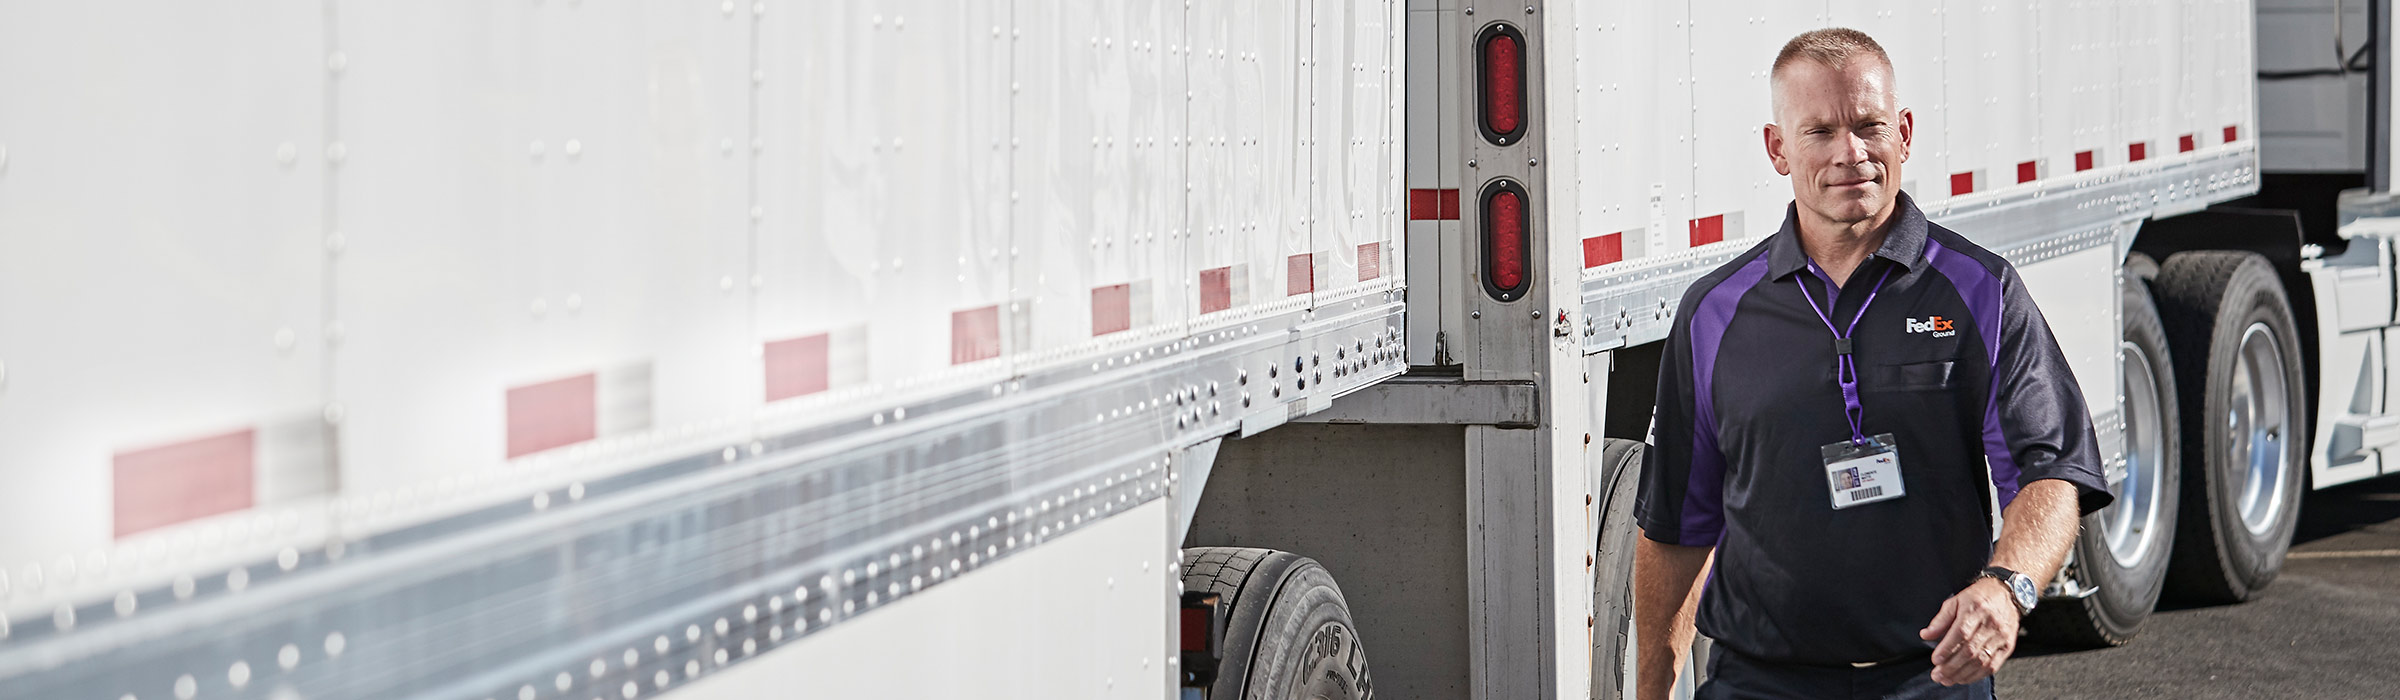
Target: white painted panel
{"points": [[1992, 69], [883, 186], [1353, 146], [1911, 33], [162, 176], [2064, 289], [2149, 76], [1734, 46], [2078, 107], [534, 191], [1635, 124], [1248, 189], [1087, 615]]}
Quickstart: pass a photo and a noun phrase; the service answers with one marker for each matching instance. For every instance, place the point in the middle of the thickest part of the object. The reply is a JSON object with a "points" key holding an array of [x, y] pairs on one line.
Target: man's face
{"points": [[1841, 135]]}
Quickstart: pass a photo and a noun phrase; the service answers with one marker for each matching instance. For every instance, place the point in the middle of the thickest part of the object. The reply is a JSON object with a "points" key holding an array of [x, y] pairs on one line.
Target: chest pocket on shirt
{"points": [[1932, 375]]}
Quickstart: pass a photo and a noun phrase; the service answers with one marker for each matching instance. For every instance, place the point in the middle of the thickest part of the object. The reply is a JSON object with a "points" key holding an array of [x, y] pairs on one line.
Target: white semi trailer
{"points": [[1055, 348]]}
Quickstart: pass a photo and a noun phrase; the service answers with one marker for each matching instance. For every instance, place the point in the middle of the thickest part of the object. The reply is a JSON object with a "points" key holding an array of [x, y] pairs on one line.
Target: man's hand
{"points": [[1978, 631]]}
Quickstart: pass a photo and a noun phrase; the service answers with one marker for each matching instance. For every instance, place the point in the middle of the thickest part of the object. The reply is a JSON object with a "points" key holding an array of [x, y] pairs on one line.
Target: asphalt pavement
{"points": [[2328, 627]]}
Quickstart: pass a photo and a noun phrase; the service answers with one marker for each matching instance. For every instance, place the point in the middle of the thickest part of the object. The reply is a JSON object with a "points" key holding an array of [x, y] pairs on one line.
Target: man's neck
{"points": [[1839, 247]]}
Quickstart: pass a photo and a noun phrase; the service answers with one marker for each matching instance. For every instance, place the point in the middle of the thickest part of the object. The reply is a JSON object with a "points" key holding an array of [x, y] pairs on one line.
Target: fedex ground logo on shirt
{"points": [[1938, 326]]}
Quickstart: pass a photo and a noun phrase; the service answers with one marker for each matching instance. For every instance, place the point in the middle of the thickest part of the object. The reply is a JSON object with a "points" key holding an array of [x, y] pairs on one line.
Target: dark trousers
{"points": [[1732, 676]]}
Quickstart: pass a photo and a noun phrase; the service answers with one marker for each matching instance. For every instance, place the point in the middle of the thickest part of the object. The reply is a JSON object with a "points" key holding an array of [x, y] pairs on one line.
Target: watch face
{"points": [[2023, 588]]}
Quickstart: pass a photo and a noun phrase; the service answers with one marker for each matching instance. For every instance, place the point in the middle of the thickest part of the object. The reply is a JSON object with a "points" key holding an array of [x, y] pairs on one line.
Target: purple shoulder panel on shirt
{"points": [[1981, 289], [1703, 495]]}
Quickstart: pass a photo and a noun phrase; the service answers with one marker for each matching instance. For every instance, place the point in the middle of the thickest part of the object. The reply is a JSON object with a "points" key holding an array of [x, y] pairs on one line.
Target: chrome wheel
{"points": [[2132, 523], [2259, 421]]}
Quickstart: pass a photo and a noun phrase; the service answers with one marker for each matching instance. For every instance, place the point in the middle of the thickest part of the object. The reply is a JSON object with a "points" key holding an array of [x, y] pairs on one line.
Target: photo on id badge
{"points": [[1862, 473]]}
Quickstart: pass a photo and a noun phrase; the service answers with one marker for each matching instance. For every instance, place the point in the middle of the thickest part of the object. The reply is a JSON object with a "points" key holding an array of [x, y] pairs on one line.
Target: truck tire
{"points": [[2244, 435], [1288, 633], [2123, 550], [1616, 480]]}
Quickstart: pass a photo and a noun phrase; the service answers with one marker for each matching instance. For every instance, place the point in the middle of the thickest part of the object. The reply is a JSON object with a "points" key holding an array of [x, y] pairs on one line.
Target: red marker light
{"points": [[1505, 252], [1503, 67]]}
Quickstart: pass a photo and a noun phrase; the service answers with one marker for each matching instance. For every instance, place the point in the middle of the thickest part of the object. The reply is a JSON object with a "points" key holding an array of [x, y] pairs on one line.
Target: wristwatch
{"points": [[2020, 587]]}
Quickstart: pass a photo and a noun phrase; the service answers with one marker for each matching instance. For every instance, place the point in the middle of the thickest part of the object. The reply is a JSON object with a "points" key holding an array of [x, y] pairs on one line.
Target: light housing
{"points": [[1507, 235], [1500, 78]]}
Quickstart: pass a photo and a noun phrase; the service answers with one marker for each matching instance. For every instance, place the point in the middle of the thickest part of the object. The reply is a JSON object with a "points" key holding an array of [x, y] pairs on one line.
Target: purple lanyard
{"points": [[1845, 370]]}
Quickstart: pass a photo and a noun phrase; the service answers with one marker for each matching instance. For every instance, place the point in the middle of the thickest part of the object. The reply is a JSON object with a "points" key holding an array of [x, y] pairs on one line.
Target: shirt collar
{"points": [[1904, 244]]}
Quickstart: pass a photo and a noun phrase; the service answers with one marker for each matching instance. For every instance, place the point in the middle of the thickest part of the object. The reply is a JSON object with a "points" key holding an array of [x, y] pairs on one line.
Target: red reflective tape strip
{"points": [[2231, 133], [797, 366], [1962, 183], [1216, 290], [1370, 261], [974, 335], [552, 414], [1433, 205], [1300, 275], [2134, 153], [1112, 309], [2188, 142], [2083, 161], [1602, 250], [1707, 230], [2028, 171], [168, 484]]}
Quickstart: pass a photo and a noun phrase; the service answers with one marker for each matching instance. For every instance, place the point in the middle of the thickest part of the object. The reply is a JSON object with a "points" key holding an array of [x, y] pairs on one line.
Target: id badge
{"points": [[1862, 474]]}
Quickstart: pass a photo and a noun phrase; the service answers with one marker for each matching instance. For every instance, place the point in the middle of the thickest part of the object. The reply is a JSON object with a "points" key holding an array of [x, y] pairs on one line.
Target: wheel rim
{"points": [[2131, 524], [2259, 420]]}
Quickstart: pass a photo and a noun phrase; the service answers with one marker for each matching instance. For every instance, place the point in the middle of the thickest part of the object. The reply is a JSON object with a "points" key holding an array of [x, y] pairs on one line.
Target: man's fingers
{"points": [[1941, 621], [1961, 629], [1971, 664]]}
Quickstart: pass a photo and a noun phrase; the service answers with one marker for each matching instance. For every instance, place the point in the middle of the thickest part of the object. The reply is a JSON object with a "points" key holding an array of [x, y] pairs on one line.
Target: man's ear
{"points": [[1783, 166], [1908, 132]]}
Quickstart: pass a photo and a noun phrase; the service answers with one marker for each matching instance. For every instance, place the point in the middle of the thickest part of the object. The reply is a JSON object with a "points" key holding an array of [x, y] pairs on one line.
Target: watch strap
{"points": [[2006, 577]]}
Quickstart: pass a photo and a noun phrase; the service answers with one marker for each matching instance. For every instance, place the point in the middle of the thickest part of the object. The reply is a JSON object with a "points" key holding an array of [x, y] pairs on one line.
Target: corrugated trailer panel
{"points": [[1737, 194], [162, 281], [1245, 131], [1633, 121], [508, 216], [2079, 129], [1098, 205], [636, 332], [881, 153], [1988, 76]]}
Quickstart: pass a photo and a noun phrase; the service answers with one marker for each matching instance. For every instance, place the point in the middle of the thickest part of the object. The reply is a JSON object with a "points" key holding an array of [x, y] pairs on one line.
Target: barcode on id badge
{"points": [[1866, 493]]}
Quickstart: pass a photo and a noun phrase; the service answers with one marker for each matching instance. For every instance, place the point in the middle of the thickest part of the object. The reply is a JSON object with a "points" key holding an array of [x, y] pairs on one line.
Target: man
{"points": [[1841, 411]]}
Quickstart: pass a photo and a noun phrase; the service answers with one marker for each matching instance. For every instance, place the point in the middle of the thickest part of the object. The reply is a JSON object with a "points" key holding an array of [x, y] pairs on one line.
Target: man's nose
{"points": [[1854, 149]]}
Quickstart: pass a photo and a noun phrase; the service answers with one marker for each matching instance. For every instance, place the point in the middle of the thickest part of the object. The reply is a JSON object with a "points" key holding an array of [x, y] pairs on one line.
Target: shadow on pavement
{"points": [[2346, 508]]}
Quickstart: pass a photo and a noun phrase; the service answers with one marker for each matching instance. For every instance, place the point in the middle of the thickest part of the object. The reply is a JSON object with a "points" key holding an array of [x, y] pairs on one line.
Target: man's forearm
{"points": [[2037, 529], [1663, 578]]}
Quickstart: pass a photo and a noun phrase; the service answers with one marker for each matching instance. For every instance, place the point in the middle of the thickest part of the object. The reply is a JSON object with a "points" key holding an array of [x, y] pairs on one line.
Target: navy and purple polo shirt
{"points": [[1953, 360]]}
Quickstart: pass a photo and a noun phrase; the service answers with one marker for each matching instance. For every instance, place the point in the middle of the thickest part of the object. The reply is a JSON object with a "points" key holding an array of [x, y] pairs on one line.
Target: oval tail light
{"points": [[1506, 232], [1500, 56]]}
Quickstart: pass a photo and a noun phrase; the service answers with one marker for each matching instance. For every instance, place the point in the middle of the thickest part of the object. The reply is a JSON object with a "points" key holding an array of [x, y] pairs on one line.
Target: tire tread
{"points": [[2190, 289]]}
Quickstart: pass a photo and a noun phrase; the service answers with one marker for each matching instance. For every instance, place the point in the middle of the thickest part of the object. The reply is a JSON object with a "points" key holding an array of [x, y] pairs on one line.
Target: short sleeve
{"points": [[2037, 408], [1682, 497]]}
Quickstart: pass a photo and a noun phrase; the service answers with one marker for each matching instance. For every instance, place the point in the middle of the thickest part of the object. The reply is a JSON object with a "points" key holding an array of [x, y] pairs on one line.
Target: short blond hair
{"points": [[1834, 48]]}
